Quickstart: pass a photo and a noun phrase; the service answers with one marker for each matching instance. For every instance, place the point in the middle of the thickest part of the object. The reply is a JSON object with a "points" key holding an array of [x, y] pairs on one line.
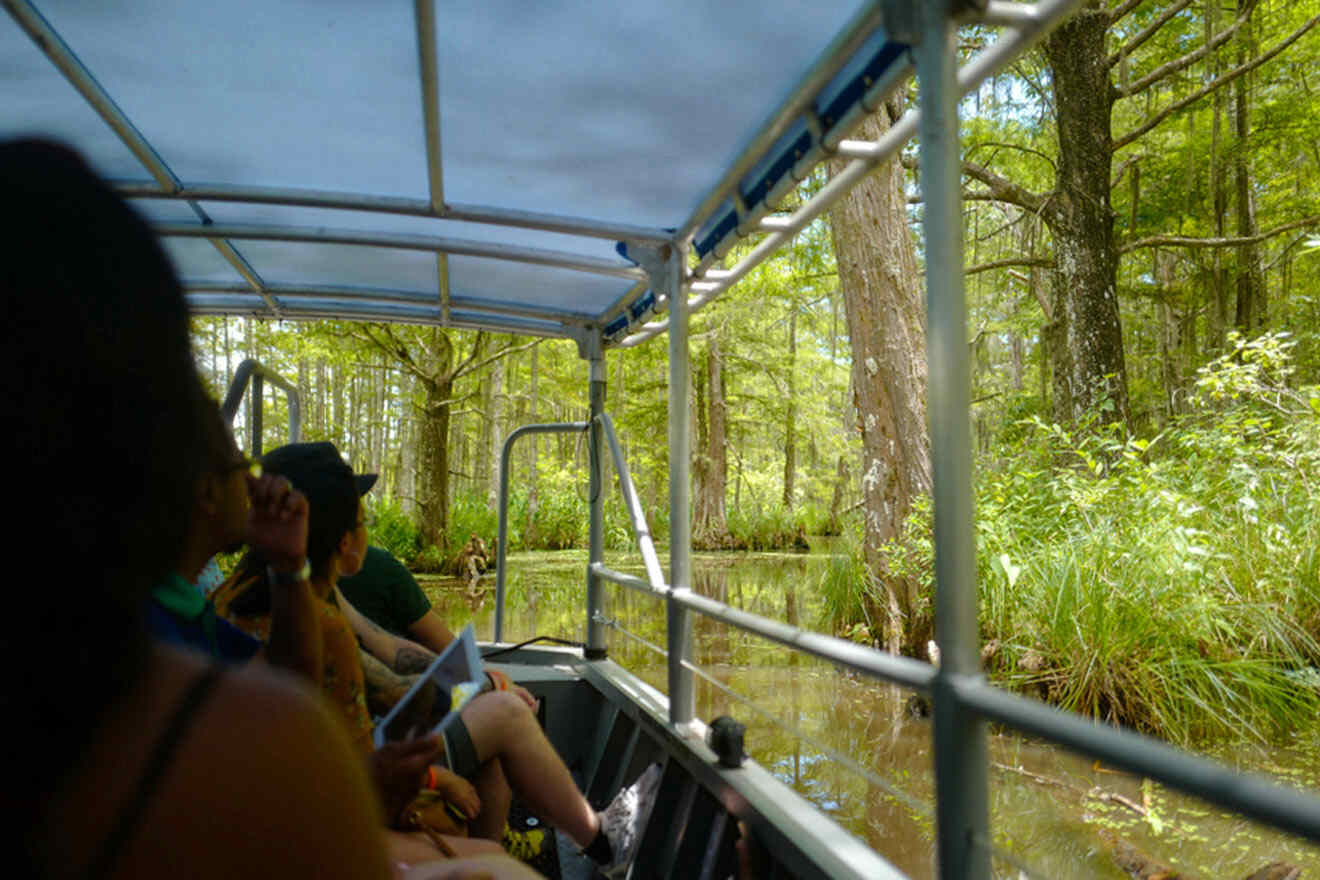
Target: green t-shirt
{"points": [[386, 592]]}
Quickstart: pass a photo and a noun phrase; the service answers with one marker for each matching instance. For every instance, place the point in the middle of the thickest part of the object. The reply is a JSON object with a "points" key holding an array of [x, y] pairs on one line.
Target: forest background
{"points": [[1142, 239]]}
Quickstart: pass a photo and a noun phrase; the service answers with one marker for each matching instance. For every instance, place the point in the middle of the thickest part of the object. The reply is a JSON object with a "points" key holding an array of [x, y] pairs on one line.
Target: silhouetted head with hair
{"points": [[104, 435]]}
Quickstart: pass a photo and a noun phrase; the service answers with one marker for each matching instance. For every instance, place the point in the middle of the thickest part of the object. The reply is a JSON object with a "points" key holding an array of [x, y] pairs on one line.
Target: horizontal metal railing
{"points": [[901, 670]]}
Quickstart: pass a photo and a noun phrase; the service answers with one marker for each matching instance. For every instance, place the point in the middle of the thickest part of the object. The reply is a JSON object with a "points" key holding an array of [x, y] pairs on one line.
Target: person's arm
{"points": [[430, 630], [277, 531], [384, 686], [403, 656]]}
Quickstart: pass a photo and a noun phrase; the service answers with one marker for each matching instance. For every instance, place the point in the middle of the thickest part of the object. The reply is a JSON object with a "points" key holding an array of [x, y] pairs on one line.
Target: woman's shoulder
{"points": [[264, 760]]}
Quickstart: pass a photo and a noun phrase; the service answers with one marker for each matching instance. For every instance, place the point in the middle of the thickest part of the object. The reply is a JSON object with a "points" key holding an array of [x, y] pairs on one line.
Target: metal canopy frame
{"points": [[677, 271], [849, 79]]}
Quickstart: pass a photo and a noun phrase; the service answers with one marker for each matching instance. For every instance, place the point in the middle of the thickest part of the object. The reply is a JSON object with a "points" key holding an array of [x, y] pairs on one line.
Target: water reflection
{"points": [[1047, 805]]}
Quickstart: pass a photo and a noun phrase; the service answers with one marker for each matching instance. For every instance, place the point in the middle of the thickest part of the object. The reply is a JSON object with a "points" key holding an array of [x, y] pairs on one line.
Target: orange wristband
{"points": [[501, 681]]}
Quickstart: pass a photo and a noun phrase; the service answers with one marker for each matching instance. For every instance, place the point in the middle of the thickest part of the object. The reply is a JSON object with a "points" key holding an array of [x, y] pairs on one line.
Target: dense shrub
{"points": [[394, 530], [766, 529], [1169, 584], [1165, 584]]}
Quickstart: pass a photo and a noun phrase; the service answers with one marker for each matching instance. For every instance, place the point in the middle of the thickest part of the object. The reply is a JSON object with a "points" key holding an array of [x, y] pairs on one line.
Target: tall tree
{"points": [[434, 360], [1250, 271], [878, 275], [790, 409], [1084, 337], [710, 529]]}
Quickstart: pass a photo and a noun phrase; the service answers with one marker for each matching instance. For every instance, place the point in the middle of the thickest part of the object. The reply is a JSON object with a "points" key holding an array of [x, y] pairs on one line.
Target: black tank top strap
{"points": [[162, 755]]}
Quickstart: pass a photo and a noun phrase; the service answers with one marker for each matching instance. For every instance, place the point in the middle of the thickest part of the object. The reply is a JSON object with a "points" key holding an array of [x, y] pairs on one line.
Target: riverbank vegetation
{"points": [[1170, 584]]}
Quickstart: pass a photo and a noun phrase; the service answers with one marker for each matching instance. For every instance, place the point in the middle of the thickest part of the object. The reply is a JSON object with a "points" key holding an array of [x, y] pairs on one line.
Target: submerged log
{"points": [[1138, 864], [1276, 871]]}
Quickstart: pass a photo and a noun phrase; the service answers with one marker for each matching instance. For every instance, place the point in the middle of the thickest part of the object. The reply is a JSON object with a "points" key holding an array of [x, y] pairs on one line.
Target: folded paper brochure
{"points": [[433, 702]]}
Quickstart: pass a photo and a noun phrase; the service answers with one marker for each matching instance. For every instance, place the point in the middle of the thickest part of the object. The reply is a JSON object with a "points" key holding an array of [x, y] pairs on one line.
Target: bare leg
{"points": [[503, 727], [495, 796]]}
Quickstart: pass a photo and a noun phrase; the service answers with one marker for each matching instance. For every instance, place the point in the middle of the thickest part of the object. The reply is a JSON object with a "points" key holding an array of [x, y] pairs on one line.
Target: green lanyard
{"points": [[182, 599]]}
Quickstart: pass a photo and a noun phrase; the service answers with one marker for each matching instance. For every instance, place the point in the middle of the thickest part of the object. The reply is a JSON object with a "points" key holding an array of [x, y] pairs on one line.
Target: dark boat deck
{"points": [[608, 726]]}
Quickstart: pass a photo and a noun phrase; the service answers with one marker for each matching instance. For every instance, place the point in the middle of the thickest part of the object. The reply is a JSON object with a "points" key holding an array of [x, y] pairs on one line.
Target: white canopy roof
{"points": [[472, 164]]}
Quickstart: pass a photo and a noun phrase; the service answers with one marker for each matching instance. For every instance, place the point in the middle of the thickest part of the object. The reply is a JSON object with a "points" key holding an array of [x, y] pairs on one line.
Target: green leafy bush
{"points": [[814, 519], [1167, 585], [469, 514], [394, 530]]}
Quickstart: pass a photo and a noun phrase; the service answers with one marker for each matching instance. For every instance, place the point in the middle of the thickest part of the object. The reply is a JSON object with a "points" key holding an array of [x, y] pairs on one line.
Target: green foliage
{"points": [[431, 560], [394, 530], [469, 515], [1169, 585], [814, 519], [560, 518], [850, 591], [771, 529], [844, 588]]}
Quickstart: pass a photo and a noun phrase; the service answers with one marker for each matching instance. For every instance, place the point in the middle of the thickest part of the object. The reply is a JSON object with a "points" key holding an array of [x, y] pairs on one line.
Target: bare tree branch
{"points": [[967, 196], [1004, 190], [465, 366], [1214, 84], [1008, 223], [1145, 33], [1189, 241], [504, 352], [1187, 60], [1038, 262], [1122, 169], [1122, 9], [974, 147], [977, 196], [392, 346]]}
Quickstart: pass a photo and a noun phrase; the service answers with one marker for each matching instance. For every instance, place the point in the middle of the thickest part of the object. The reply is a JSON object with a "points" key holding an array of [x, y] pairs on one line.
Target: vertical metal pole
{"points": [[664, 268], [254, 408], [682, 695], [595, 647], [502, 539], [962, 811]]}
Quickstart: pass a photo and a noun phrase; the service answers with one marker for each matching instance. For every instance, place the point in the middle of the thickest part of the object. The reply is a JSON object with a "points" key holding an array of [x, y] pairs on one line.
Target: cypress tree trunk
{"points": [[710, 529], [790, 414], [1087, 340], [1250, 270], [433, 439], [495, 431], [878, 276], [1217, 322]]}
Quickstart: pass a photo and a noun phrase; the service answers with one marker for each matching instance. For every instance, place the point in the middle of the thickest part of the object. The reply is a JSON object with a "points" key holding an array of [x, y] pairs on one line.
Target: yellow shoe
{"points": [[523, 845]]}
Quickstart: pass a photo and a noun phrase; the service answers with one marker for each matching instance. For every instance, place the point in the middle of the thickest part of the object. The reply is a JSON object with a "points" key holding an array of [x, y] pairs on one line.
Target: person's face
{"points": [[355, 547], [234, 499]]}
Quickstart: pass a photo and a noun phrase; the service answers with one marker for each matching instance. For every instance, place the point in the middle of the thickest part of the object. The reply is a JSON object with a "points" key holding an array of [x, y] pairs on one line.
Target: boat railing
{"points": [[977, 699], [252, 372]]}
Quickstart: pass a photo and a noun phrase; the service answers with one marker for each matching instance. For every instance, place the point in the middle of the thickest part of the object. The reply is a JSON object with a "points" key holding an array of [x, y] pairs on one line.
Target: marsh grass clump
{"points": [[843, 588], [768, 529], [1167, 585]]}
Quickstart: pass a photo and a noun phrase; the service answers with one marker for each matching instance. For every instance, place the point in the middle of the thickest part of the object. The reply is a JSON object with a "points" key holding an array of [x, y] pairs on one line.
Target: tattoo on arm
{"points": [[412, 659], [379, 680]]}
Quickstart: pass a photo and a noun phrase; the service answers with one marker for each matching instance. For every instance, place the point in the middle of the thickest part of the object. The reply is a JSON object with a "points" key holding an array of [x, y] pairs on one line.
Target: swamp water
{"points": [[850, 745]]}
